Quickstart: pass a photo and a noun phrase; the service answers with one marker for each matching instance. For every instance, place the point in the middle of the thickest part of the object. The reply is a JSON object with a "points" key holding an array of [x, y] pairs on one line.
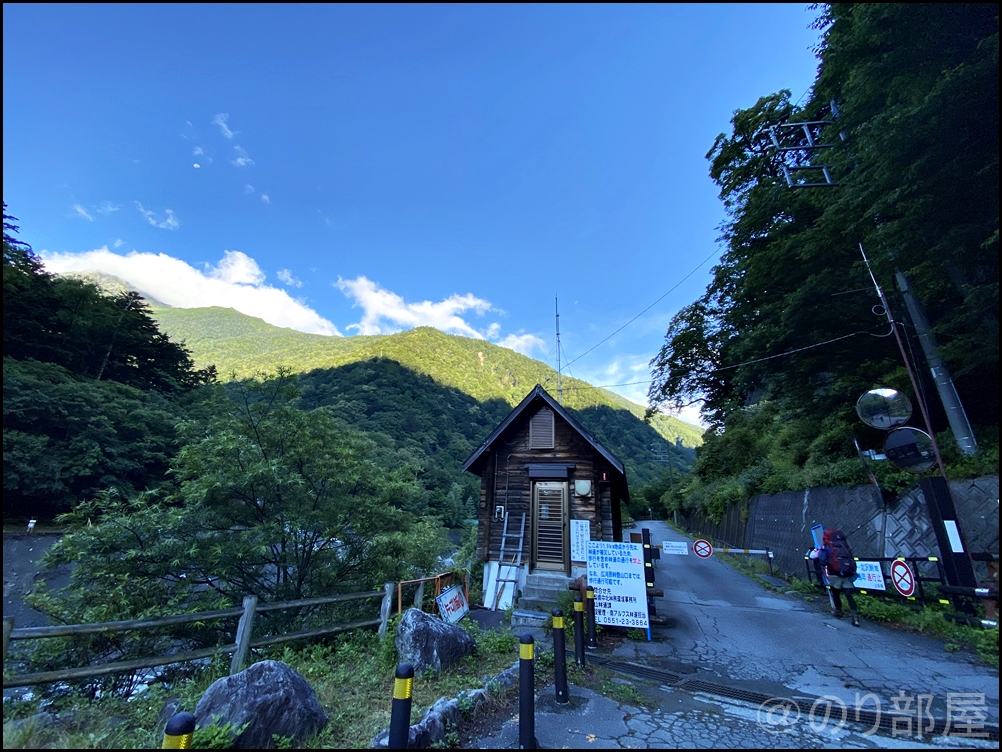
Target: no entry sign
{"points": [[902, 578], [702, 549]]}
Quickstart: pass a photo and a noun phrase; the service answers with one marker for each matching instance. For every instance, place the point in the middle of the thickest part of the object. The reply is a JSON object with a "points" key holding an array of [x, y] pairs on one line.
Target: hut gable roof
{"points": [[538, 394]]}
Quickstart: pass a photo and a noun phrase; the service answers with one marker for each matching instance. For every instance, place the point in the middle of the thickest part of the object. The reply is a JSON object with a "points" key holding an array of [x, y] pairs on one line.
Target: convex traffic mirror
{"points": [[884, 408], [909, 449]]}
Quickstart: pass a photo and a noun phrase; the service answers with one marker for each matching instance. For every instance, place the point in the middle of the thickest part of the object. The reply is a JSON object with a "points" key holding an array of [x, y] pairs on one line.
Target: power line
{"points": [[747, 362], [674, 287]]}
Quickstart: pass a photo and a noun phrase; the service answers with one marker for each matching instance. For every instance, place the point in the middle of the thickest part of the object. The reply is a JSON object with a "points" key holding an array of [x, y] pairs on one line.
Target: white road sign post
{"points": [[616, 571]]}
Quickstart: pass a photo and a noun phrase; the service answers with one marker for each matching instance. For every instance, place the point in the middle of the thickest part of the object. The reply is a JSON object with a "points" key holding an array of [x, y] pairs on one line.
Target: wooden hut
{"points": [[540, 462]]}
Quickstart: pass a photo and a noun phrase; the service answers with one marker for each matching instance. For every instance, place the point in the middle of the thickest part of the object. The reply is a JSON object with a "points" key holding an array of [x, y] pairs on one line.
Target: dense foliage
{"points": [[266, 499], [92, 388], [789, 333]]}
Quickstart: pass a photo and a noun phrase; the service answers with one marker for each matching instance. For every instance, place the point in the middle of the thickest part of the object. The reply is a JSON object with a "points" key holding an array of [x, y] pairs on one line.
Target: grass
{"points": [[352, 676]]}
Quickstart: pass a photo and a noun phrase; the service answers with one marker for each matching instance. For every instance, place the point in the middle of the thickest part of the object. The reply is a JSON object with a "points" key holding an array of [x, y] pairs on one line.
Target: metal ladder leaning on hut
{"points": [[516, 561]]}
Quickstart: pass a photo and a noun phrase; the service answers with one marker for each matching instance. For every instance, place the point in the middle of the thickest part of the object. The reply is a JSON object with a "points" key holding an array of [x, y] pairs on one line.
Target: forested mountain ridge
{"points": [[244, 346], [425, 397]]}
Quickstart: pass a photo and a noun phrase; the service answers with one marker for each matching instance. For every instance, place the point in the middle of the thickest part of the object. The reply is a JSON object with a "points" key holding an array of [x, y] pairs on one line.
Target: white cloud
{"points": [[119, 243], [288, 278], [82, 213], [235, 282], [243, 159], [384, 312], [237, 268], [522, 343], [248, 188], [107, 207], [198, 151], [170, 223], [220, 120], [265, 198]]}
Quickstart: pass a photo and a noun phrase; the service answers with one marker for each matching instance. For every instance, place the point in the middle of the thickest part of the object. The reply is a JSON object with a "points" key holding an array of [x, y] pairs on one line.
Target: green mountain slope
{"points": [[425, 397], [243, 346]]}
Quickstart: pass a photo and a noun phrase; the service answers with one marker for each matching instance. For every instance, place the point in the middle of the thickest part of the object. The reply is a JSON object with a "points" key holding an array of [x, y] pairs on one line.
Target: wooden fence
{"points": [[240, 647]]}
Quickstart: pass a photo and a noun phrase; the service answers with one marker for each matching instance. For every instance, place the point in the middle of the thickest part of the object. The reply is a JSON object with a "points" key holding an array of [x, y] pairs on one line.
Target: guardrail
{"points": [[240, 647]]}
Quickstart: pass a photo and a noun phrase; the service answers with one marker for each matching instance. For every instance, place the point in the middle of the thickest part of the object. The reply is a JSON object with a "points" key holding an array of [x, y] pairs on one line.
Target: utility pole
{"points": [[955, 414]]}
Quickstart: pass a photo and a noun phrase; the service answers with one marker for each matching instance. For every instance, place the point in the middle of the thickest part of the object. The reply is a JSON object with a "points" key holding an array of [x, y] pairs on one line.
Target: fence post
{"points": [[8, 627], [179, 732], [592, 632], [384, 608], [243, 635], [526, 694], [419, 596], [400, 713], [768, 555], [559, 658], [579, 638]]}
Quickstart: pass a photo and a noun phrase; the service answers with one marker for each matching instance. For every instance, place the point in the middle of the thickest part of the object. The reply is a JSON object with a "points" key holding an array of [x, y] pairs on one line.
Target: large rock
{"points": [[425, 641], [271, 698]]}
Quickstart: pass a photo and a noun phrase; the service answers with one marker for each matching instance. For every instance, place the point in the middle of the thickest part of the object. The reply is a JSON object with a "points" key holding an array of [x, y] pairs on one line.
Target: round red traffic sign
{"points": [[702, 549], [902, 578]]}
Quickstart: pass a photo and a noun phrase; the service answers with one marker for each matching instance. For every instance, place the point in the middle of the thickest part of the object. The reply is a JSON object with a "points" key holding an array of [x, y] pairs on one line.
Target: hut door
{"points": [[550, 515]]}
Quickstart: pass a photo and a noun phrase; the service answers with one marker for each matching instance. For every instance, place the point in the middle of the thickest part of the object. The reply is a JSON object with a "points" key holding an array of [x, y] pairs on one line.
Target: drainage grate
{"points": [[872, 719]]}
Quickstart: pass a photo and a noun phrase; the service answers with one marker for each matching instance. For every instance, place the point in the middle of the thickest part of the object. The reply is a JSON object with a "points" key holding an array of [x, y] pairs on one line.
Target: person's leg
{"points": [[836, 592], [852, 606]]}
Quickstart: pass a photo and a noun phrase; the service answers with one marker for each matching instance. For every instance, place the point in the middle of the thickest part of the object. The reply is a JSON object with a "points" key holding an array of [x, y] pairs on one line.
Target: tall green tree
{"points": [[791, 318]]}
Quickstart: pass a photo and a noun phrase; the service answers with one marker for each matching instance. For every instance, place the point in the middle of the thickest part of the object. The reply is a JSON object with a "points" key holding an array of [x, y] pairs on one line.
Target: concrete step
{"points": [[544, 604], [528, 618], [536, 591]]}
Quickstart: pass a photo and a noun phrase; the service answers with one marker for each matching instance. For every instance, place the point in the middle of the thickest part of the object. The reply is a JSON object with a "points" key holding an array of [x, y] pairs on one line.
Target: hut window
{"points": [[541, 430]]}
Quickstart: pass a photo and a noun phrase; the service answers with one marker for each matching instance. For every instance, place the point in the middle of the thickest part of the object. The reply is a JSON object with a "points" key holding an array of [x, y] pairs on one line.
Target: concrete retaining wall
{"points": [[782, 522]]}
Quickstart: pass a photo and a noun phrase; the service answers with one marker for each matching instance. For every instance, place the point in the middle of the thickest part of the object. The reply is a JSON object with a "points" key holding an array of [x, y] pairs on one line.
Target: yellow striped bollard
{"points": [[400, 715], [559, 658], [579, 628], [526, 693], [179, 732]]}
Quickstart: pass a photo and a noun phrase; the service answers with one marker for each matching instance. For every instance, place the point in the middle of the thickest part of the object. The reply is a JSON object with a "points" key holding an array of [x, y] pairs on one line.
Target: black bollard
{"points": [[592, 633], [579, 638], [400, 715], [179, 732], [559, 658], [526, 694]]}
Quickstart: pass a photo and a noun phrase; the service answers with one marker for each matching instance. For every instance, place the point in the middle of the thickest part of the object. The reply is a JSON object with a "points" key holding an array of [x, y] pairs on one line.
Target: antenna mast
{"points": [[560, 384]]}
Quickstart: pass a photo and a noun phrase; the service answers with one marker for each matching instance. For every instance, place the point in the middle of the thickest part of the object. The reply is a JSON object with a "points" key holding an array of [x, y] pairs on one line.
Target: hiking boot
{"points": [[837, 614], [855, 620]]}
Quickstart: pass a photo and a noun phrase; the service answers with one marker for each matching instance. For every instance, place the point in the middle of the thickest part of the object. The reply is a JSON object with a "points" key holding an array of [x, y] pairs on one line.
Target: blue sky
{"points": [[365, 169]]}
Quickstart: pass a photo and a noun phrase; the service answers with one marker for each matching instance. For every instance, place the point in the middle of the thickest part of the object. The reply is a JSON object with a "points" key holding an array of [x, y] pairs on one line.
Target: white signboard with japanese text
{"points": [[580, 535], [616, 571], [869, 576], [678, 548], [452, 604]]}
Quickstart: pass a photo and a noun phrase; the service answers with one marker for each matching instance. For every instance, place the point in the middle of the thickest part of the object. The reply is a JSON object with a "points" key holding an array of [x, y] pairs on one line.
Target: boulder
{"points": [[271, 698], [425, 641]]}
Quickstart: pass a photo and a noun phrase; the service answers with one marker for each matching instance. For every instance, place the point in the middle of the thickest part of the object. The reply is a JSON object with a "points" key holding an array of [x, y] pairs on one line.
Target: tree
{"points": [[791, 318], [268, 500]]}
